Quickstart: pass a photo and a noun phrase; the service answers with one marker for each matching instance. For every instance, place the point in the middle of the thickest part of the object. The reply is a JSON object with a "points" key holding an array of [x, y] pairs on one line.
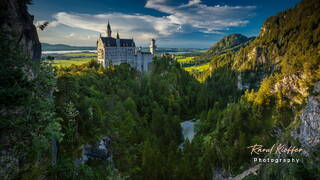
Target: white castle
{"points": [[114, 51]]}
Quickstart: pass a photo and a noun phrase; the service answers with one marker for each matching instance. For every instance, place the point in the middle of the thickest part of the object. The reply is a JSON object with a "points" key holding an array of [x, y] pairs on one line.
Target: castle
{"points": [[114, 51]]}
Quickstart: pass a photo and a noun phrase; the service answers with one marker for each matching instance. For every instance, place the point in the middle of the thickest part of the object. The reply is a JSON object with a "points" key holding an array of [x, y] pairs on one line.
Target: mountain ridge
{"points": [[232, 42], [59, 47]]}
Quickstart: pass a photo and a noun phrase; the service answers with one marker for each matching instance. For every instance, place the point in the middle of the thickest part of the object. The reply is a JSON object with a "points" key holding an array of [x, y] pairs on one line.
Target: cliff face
{"points": [[308, 133], [15, 18], [15, 24]]}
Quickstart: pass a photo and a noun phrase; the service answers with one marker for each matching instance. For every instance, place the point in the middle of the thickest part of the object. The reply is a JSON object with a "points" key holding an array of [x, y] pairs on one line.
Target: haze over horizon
{"points": [[184, 24]]}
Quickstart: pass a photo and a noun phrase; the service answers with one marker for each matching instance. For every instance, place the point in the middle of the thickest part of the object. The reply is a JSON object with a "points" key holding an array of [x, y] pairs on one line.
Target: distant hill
{"points": [[231, 42], [64, 47]]}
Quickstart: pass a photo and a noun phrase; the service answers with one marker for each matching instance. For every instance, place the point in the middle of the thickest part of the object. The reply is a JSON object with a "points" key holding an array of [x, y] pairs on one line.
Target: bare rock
{"points": [[98, 151], [14, 17], [308, 133], [292, 87]]}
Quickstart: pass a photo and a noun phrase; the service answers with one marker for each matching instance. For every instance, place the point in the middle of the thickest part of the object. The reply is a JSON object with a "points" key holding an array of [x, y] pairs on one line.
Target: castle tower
{"points": [[118, 37], [153, 46], [109, 32], [118, 40]]}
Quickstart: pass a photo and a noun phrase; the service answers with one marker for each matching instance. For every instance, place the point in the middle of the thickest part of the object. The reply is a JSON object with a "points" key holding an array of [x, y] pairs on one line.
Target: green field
{"points": [[75, 61], [184, 60], [193, 66], [69, 59], [199, 68], [191, 60]]}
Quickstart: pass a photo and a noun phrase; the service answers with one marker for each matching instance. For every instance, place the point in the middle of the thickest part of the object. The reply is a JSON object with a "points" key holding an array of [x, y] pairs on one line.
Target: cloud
{"points": [[193, 16], [143, 27], [80, 37], [203, 18], [191, 3]]}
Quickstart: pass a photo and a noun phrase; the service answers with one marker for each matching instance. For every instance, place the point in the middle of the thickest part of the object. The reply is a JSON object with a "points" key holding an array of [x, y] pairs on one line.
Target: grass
{"points": [[190, 60], [75, 61], [79, 54], [184, 60], [199, 68]]}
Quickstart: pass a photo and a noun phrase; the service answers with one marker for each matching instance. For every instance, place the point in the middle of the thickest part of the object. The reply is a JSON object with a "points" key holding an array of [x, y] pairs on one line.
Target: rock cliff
{"points": [[15, 18], [308, 133]]}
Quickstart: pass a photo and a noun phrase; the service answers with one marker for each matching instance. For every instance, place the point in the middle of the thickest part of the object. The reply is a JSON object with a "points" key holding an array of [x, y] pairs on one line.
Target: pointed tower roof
{"points": [[118, 37], [109, 32]]}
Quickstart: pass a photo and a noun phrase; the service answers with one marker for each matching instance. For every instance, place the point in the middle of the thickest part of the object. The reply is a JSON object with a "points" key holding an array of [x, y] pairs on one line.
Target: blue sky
{"points": [[173, 23]]}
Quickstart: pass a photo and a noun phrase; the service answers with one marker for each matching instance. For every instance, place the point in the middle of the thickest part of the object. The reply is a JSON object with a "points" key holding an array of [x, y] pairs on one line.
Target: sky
{"points": [[173, 23]]}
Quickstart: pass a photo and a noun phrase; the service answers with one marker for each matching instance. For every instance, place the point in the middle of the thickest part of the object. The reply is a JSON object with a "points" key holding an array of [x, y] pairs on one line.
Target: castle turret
{"points": [[109, 32], [118, 40], [118, 37], [153, 46]]}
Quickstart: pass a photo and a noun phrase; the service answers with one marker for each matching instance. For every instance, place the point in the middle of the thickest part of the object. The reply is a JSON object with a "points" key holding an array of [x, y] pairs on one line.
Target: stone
{"points": [[308, 133], [316, 88], [15, 18], [97, 151]]}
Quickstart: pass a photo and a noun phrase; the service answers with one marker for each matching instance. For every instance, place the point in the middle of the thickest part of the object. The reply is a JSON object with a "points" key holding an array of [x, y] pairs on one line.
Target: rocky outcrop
{"points": [[15, 18], [16, 24], [240, 85], [293, 88], [308, 133], [220, 175], [97, 151], [253, 170]]}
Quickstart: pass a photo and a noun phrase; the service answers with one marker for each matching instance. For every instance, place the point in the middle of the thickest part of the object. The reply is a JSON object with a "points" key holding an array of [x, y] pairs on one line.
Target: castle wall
{"points": [[101, 52], [117, 55], [143, 61]]}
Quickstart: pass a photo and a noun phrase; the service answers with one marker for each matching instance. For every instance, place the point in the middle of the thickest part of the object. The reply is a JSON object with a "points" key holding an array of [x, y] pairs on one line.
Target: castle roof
{"points": [[112, 42]]}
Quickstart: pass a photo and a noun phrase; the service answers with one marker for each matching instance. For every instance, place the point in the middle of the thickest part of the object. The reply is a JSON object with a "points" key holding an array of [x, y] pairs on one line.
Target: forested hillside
{"points": [[278, 70], [231, 42]]}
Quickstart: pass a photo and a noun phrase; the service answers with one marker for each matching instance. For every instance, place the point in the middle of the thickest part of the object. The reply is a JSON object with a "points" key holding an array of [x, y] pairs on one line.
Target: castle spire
{"points": [[153, 47], [118, 37], [109, 32]]}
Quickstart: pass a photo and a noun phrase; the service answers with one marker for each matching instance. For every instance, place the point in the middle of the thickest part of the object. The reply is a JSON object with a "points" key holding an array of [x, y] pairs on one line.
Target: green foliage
{"points": [[137, 111], [28, 119]]}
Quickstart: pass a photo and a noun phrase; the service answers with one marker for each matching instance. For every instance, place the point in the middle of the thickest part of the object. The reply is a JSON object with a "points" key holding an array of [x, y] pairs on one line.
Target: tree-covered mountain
{"points": [[63, 47], [231, 42], [286, 52], [278, 70]]}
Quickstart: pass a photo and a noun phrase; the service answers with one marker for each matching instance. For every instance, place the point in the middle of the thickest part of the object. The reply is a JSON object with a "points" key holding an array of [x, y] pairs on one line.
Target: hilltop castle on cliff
{"points": [[114, 51]]}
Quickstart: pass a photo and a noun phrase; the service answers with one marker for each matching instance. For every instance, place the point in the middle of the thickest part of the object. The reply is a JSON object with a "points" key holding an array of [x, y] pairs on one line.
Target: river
{"points": [[188, 129]]}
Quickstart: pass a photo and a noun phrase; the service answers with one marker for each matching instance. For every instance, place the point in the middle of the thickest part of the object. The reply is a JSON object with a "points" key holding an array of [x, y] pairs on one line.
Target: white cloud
{"points": [[142, 27], [191, 3], [207, 19], [193, 16]]}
